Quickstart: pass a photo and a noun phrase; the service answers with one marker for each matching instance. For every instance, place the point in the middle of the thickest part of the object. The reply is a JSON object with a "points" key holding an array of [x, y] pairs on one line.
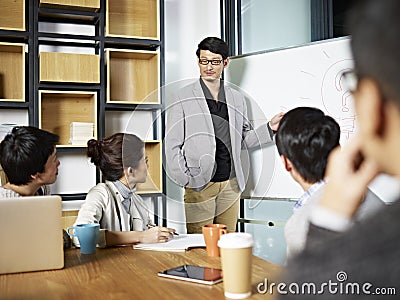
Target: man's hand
{"points": [[348, 179], [274, 123]]}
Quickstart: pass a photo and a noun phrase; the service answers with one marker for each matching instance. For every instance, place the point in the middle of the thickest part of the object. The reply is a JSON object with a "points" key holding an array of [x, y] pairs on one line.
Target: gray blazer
{"points": [[189, 140]]}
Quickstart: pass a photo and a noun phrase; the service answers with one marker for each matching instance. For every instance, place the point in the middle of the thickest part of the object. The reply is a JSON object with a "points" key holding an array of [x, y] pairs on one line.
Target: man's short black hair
{"points": [[306, 136], [214, 45], [24, 152]]}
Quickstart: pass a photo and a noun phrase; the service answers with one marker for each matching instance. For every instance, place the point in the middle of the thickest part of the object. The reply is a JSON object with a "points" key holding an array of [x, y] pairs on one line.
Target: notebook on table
{"points": [[179, 243], [31, 237]]}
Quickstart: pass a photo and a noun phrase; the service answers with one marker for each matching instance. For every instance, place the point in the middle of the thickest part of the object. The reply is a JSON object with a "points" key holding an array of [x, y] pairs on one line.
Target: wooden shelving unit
{"points": [[12, 15], [12, 72], [153, 183], [114, 65], [133, 76], [68, 218], [133, 19], [90, 5], [69, 67], [57, 110]]}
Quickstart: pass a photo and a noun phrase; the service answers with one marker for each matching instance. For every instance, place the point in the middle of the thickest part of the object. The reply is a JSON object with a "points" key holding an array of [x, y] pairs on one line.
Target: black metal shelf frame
{"points": [[13, 36], [68, 16], [13, 105]]}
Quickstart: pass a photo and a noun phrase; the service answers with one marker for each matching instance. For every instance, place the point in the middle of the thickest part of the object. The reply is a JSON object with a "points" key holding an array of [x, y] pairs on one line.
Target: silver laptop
{"points": [[31, 236]]}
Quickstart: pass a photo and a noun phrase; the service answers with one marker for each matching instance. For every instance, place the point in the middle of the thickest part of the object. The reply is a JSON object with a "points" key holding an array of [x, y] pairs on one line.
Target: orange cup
{"points": [[212, 233]]}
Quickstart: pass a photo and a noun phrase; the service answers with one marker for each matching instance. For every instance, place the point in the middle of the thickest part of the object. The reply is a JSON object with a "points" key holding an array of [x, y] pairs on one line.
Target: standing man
{"points": [[206, 128]]}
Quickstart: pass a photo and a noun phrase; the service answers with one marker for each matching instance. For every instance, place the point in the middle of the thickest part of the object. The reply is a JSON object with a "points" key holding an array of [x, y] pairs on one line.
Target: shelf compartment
{"points": [[76, 176], [88, 5], [11, 117], [140, 123], [133, 19], [69, 67], [57, 109], [133, 76], [153, 182], [12, 15], [69, 218], [12, 72]]}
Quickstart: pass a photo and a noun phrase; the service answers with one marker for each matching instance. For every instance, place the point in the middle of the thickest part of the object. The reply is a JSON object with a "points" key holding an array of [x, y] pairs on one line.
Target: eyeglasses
{"points": [[214, 62], [350, 80]]}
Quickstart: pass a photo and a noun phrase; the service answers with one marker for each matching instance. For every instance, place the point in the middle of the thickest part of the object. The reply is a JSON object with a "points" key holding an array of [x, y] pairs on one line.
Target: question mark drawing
{"points": [[337, 99], [346, 96]]}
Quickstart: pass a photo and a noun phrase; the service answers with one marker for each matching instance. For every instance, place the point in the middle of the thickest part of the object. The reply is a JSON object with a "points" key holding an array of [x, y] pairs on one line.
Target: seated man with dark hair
{"points": [[29, 160], [304, 151]]}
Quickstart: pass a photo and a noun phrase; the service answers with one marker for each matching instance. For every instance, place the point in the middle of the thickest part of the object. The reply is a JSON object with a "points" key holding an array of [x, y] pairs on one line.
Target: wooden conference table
{"points": [[124, 273]]}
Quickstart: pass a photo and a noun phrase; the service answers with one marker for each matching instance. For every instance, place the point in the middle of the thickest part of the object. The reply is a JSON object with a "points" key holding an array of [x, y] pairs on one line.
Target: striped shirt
{"points": [[304, 198]]}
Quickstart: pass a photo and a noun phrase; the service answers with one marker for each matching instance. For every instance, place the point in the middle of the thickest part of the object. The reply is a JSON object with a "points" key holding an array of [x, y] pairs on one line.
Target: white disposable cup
{"points": [[236, 255]]}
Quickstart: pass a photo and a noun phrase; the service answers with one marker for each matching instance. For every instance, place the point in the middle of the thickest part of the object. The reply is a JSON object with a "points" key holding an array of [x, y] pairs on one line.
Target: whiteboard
{"points": [[279, 80]]}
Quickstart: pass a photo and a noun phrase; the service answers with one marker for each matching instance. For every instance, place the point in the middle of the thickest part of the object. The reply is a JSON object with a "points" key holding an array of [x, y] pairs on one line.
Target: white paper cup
{"points": [[236, 254]]}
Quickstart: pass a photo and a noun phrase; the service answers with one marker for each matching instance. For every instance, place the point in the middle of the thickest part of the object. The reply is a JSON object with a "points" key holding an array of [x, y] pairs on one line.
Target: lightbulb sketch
{"points": [[325, 88], [337, 99]]}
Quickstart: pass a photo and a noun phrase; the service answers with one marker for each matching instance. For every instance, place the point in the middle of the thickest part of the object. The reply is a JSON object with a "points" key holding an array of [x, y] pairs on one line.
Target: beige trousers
{"points": [[217, 203]]}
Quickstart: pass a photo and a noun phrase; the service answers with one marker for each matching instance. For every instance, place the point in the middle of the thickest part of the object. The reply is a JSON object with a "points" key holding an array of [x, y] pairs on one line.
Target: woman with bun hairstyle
{"points": [[123, 215]]}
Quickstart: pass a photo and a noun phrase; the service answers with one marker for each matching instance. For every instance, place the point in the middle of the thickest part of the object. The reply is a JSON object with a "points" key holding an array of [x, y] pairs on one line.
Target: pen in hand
{"points": [[153, 225]]}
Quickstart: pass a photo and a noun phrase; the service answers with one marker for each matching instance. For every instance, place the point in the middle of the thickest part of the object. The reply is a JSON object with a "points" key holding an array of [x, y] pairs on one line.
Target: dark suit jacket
{"points": [[369, 253]]}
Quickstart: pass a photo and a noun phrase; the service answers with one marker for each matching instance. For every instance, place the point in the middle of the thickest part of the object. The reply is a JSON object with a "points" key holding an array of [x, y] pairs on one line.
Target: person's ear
{"points": [[130, 171], [287, 163], [35, 177], [371, 106], [226, 62]]}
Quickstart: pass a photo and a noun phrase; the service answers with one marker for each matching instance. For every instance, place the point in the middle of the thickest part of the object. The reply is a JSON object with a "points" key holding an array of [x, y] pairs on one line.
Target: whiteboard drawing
{"points": [[309, 75], [333, 89]]}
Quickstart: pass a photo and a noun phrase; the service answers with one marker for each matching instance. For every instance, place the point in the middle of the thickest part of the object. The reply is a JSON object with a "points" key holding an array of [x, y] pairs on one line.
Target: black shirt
{"points": [[220, 118]]}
